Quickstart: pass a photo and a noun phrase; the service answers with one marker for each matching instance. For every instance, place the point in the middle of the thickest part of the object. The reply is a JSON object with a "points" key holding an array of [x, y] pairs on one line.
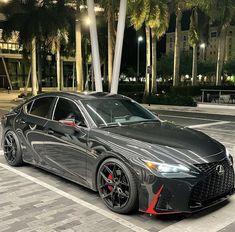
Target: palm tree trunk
{"points": [[78, 34], [61, 74], [39, 64], [34, 66], [221, 54], [154, 62], [58, 65], [176, 78], [194, 68], [148, 60], [111, 39]]}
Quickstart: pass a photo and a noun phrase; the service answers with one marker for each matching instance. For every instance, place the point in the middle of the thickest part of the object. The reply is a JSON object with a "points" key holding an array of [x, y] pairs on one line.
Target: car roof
{"points": [[82, 95]]}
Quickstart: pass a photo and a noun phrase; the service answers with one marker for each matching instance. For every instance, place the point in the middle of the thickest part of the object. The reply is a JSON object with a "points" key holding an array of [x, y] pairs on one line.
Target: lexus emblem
{"points": [[220, 169]]}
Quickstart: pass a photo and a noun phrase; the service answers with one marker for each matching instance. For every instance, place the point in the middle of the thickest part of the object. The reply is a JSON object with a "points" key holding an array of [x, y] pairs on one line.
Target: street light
{"points": [[203, 47], [140, 39], [87, 21]]}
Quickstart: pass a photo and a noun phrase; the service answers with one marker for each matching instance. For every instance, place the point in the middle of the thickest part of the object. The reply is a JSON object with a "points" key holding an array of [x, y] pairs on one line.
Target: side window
{"points": [[41, 107], [68, 110]]}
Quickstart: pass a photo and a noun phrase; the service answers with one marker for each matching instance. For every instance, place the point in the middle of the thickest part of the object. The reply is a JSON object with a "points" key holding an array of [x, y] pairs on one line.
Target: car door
{"points": [[30, 128], [67, 146]]}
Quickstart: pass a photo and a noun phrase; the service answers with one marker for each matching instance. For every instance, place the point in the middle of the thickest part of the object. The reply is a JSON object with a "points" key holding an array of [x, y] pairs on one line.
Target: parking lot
{"points": [[34, 200]]}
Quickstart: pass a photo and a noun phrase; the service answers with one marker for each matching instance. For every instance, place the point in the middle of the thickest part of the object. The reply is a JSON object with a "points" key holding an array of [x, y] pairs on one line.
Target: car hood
{"points": [[174, 142]]}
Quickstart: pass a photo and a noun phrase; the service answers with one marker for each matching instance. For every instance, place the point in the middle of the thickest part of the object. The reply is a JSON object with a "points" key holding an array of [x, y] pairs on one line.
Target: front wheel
{"points": [[117, 186], [12, 149]]}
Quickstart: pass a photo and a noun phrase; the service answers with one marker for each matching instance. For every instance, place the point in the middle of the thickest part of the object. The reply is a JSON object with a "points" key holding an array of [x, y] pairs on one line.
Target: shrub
{"points": [[177, 100]]}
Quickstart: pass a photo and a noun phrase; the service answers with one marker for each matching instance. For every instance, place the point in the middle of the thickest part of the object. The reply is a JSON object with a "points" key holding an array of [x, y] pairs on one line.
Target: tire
{"points": [[12, 149], [117, 186]]}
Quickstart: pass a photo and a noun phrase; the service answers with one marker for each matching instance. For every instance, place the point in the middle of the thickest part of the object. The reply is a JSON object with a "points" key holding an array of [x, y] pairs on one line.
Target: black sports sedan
{"points": [[111, 144]]}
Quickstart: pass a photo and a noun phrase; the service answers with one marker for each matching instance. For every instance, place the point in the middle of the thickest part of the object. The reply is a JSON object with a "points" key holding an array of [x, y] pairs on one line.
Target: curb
{"points": [[216, 106]]}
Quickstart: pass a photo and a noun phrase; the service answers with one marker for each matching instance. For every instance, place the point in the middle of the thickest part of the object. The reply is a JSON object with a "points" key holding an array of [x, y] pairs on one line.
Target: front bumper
{"points": [[168, 196]]}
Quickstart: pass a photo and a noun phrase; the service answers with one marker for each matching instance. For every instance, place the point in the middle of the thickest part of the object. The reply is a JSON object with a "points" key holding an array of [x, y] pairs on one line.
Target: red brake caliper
{"points": [[110, 187]]}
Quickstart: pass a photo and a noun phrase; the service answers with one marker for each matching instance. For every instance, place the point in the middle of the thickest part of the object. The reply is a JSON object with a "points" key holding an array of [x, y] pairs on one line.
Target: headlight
{"points": [[166, 168], [230, 158], [170, 170]]}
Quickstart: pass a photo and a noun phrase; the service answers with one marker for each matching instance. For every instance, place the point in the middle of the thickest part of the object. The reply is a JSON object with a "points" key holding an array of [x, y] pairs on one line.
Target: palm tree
{"points": [[221, 13], [56, 31], [198, 33], [37, 22], [178, 7], [138, 12], [158, 21], [194, 39], [154, 15], [22, 16]]}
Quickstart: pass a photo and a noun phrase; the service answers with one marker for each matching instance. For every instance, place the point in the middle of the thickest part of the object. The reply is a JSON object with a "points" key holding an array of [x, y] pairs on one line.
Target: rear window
{"points": [[41, 107]]}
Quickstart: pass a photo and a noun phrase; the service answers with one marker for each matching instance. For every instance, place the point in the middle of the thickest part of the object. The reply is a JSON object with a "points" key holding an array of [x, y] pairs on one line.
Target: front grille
{"points": [[213, 186], [206, 167]]}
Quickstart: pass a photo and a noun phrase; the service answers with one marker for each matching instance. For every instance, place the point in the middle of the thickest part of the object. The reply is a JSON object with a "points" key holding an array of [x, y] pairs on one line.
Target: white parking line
{"points": [[105, 213], [209, 124], [211, 222]]}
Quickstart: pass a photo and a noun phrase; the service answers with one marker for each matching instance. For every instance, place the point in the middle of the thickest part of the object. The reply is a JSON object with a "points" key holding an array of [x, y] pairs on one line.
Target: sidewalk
{"points": [[9, 100], [201, 108]]}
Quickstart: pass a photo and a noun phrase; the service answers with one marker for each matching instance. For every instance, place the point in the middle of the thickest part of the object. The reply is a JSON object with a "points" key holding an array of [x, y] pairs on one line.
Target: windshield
{"points": [[116, 112]]}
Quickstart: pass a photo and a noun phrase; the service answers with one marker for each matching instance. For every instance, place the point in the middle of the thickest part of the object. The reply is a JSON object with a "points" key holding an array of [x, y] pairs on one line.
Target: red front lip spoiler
{"points": [[151, 208]]}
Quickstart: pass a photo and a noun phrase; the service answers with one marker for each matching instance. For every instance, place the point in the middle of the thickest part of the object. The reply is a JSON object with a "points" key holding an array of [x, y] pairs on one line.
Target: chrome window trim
{"points": [[54, 107], [25, 106], [77, 105], [88, 115]]}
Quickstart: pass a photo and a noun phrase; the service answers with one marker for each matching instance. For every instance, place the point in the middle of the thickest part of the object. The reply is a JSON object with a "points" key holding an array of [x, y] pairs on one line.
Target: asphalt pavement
{"points": [[34, 200]]}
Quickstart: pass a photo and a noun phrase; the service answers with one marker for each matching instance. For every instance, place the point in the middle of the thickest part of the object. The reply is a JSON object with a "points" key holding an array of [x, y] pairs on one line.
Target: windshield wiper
{"points": [[111, 124], [146, 121]]}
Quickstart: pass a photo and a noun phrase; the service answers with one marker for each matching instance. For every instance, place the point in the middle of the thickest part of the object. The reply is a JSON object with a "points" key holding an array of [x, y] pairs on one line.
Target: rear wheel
{"points": [[117, 186], [12, 149]]}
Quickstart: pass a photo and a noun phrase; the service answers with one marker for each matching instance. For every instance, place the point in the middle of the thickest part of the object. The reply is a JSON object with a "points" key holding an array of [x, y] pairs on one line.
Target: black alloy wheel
{"points": [[117, 186], [12, 149]]}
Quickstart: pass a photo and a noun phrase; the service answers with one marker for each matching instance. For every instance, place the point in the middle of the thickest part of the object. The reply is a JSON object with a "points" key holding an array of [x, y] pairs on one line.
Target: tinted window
{"points": [[41, 107], [107, 112], [66, 109]]}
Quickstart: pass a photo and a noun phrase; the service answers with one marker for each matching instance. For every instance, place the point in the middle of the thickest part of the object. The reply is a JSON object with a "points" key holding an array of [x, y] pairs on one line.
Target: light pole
{"points": [[140, 38]]}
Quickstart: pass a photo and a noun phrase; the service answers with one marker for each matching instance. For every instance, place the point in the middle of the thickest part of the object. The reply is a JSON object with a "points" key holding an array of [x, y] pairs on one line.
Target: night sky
{"points": [[129, 57]]}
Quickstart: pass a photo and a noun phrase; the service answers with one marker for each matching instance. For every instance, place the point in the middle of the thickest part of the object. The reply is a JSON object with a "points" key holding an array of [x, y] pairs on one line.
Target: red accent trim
{"points": [[110, 187], [154, 202]]}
